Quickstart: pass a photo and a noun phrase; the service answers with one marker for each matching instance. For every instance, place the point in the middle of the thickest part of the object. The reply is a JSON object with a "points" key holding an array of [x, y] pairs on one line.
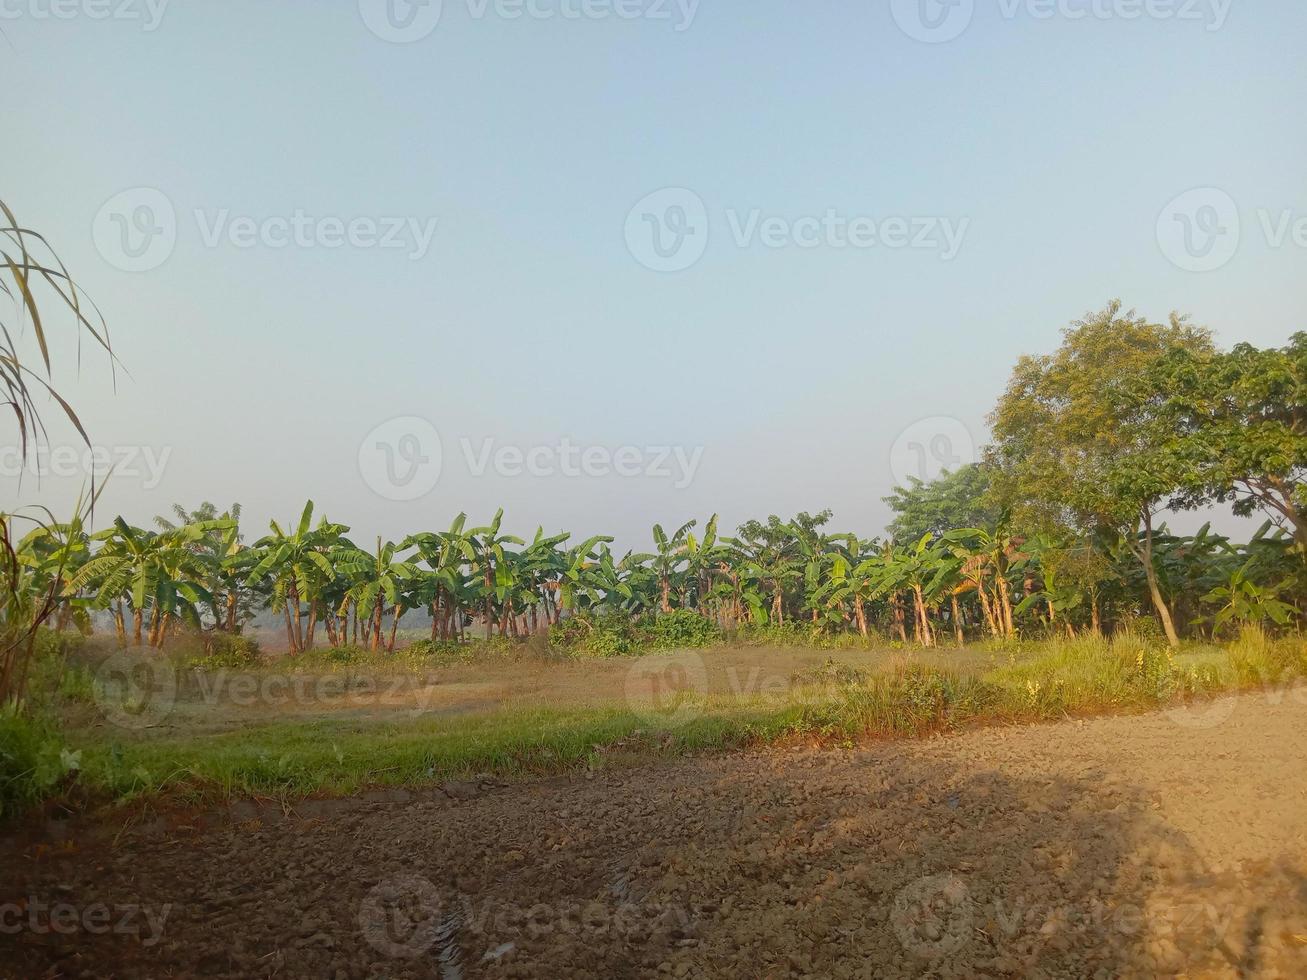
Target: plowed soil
{"points": [[1129, 846]]}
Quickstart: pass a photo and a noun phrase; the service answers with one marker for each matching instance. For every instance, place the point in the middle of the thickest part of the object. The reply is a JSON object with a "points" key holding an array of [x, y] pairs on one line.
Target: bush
{"points": [[33, 759], [50, 674], [612, 635], [229, 651], [683, 628]]}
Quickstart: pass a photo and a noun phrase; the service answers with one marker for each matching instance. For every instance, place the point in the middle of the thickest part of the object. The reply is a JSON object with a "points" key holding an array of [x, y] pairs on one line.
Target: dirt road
{"points": [[1117, 847]]}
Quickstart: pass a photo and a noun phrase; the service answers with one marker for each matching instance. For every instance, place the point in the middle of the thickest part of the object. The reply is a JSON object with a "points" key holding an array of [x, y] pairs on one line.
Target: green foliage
{"points": [[229, 651], [1239, 421], [611, 635], [33, 759], [1242, 601], [682, 628], [953, 500]]}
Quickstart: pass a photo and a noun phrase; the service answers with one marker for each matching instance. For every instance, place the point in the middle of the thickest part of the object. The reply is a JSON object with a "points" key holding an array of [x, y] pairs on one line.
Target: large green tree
{"points": [[1082, 440], [1239, 420], [955, 499]]}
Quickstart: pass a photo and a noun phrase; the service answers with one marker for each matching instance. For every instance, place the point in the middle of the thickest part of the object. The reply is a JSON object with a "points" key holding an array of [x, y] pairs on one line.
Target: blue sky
{"points": [[266, 371]]}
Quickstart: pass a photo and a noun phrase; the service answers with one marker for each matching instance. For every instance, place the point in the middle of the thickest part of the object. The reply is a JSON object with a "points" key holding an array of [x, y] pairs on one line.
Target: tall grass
{"points": [[835, 703]]}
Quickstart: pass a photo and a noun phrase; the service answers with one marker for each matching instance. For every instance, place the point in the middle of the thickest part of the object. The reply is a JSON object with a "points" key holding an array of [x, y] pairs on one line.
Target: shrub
{"points": [[50, 673], [600, 636], [229, 651], [683, 628], [33, 759]]}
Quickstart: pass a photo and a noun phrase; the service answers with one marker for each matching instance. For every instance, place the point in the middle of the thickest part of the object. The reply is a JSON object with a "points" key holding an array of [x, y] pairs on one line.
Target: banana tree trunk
{"points": [[299, 625], [926, 637], [1005, 606], [313, 625], [899, 625], [394, 628], [290, 630], [377, 613]]}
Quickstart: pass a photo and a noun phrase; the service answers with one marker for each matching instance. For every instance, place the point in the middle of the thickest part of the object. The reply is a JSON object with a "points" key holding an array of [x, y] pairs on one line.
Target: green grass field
{"points": [[236, 732]]}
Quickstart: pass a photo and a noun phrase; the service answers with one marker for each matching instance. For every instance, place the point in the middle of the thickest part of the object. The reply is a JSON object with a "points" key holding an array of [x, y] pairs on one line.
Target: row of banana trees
{"points": [[198, 573]]}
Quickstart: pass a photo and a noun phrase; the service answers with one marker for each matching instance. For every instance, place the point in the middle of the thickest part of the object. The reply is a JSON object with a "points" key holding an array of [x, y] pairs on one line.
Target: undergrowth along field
{"points": [[64, 749]]}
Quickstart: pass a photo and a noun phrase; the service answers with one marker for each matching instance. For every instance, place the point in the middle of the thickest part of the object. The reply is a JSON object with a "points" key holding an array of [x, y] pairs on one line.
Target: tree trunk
{"points": [[290, 630], [1144, 553], [990, 622], [957, 619], [299, 626], [899, 618], [377, 613], [926, 636], [860, 615], [1005, 606], [394, 628], [313, 625]]}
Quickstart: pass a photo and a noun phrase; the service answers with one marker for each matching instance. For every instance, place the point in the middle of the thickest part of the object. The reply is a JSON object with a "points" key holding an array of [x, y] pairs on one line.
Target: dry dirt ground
{"points": [[1131, 846], [217, 702]]}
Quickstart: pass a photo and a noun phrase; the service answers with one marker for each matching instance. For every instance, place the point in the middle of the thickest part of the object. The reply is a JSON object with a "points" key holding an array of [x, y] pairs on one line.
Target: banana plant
{"points": [[585, 574], [702, 557], [155, 571], [379, 580], [297, 569], [450, 590], [489, 551], [1244, 602], [668, 557]]}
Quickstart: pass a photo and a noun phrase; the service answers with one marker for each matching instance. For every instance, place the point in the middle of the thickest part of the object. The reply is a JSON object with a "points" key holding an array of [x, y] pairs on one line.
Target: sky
{"points": [[611, 262]]}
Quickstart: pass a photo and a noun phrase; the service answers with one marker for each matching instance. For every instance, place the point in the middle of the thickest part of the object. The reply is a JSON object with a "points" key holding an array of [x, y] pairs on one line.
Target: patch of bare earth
{"points": [[1134, 846]]}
